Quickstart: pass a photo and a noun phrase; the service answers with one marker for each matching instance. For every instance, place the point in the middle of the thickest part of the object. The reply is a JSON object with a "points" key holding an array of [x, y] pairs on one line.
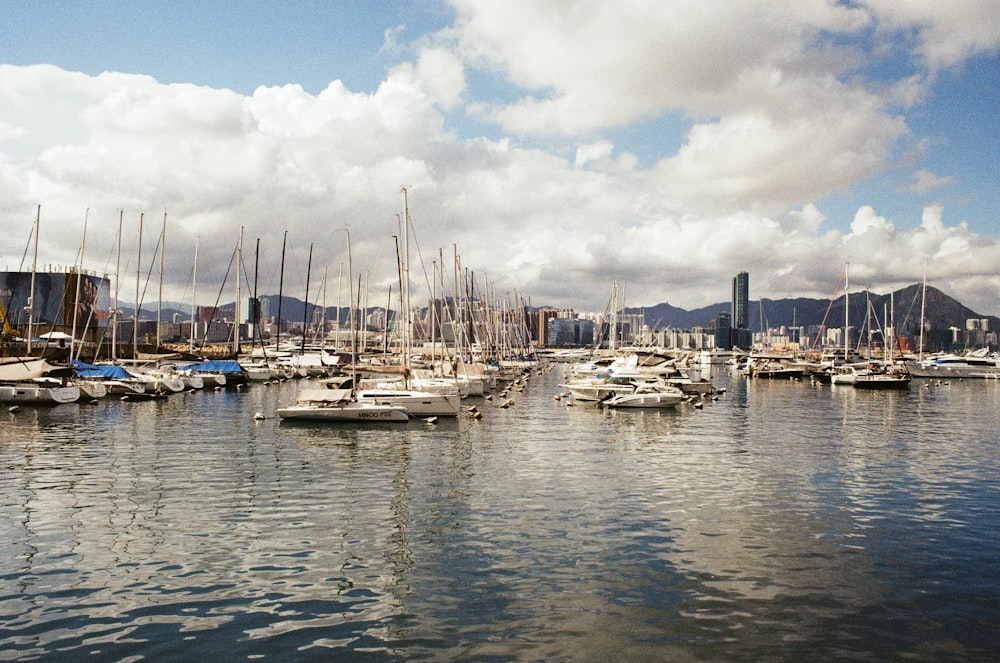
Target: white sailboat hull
{"points": [[27, 393], [416, 403], [646, 399], [350, 412]]}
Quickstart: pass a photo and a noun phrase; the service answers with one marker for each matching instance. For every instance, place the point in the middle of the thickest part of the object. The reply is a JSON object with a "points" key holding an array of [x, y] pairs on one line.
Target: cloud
{"points": [[551, 201], [924, 181], [945, 34], [584, 75]]}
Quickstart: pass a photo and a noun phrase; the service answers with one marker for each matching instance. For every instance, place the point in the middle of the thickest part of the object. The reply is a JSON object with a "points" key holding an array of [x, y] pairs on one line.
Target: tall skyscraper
{"points": [[741, 301]]}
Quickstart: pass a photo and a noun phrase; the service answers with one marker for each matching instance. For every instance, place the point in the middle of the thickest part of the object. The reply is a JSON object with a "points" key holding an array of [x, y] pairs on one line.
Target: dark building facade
{"points": [[739, 334]]}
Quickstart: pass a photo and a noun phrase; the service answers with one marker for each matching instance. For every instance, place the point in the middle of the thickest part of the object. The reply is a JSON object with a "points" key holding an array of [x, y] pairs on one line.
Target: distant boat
{"points": [[845, 375], [647, 397], [883, 376], [978, 364], [337, 403], [775, 370]]}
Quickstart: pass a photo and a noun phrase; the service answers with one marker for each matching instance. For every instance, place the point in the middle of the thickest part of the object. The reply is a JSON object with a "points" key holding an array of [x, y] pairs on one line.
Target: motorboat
{"points": [[599, 388], [845, 374], [776, 370], [977, 364], [647, 397]]}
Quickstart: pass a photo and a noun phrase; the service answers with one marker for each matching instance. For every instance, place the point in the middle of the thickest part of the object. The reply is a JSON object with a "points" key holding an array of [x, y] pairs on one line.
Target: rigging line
{"points": [[20, 270], [218, 297]]}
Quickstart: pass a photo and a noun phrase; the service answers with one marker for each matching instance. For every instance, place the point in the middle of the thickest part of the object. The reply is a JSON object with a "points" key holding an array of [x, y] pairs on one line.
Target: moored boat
{"points": [[416, 403], [647, 397], [38, 393], [883, 376], [337, 402]]}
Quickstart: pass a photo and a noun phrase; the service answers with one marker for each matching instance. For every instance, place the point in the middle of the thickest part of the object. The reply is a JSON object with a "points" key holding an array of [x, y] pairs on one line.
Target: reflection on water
{"points": [[785, 521]]}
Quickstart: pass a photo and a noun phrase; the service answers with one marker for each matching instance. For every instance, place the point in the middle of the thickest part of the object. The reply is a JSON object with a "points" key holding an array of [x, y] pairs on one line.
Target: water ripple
{"points": [[784, 521]]}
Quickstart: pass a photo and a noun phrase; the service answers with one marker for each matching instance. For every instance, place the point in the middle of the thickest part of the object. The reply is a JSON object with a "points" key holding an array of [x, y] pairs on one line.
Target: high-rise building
{"points": [[741, 301]]}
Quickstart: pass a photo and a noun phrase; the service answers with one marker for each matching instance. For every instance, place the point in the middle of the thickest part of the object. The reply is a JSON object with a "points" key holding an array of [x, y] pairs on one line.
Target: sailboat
{"points": [[885, 374], [338, 402]]}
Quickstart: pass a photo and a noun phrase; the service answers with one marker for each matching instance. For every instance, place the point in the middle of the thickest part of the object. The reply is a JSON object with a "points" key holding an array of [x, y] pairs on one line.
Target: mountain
{"points": [[941, 312]]}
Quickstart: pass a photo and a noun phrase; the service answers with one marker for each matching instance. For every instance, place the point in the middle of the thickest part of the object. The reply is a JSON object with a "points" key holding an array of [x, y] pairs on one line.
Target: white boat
{"points": [[647, 397], [598, 389], [775, 370], [91, 389], [337, 402], [257, 372], [416, 403], [192, 381], [124, 386], [37, 393], [845, 374], [114, 380], [14, 369], [977, 364], [159, 381]]}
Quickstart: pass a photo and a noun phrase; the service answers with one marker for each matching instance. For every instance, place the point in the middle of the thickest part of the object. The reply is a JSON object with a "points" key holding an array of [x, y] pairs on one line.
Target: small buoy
{"points": [[259, 415]]}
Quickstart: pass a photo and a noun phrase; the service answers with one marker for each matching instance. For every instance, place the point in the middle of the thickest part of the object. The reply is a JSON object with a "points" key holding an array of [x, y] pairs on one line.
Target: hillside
{"points": [[941, 311]]}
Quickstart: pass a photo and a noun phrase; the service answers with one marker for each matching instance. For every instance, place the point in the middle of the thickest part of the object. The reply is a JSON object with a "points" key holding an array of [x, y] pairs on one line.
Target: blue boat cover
{"points": [[214, 366], [85, 370]]}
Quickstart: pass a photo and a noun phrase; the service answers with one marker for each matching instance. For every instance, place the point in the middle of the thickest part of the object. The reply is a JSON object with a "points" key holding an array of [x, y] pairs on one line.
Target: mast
{"points": [[76, 298], [305, 311], [322, 315], [159, 303], [364, 311], [281, 289], [847, 310], [407, 321], [236, 306], [340, 293], [350, 281], [434, 267], [34, 268], [194, 292], [114, 310], [135, 317], [923, 301], [256, 304]]}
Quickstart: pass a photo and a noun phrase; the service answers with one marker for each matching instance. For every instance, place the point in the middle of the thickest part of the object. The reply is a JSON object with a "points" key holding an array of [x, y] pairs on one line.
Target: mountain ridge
{"points": [[941, 311]]}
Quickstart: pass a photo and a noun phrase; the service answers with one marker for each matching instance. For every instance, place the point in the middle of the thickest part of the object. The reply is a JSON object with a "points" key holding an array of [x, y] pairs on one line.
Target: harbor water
{"points": [[785, 521]]}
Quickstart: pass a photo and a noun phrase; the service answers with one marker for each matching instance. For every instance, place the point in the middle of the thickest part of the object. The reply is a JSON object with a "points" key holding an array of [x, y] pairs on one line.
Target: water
{"points": [[785, 521]]}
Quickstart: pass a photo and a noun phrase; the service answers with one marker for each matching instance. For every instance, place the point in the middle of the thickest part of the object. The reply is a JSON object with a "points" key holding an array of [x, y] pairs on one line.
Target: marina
{"points": [[772, 520]]}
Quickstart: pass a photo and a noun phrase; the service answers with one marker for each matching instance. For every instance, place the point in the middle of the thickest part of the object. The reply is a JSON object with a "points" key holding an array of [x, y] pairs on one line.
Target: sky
{"points": [[554, 148]]}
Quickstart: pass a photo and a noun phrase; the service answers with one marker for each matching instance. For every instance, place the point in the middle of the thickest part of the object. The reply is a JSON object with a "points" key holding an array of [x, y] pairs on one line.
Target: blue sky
{"points": [[557, 147]]}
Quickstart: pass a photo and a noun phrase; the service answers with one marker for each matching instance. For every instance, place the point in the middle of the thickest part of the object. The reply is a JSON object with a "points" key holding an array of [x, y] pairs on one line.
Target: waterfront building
{"points": [[54, 301]]}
